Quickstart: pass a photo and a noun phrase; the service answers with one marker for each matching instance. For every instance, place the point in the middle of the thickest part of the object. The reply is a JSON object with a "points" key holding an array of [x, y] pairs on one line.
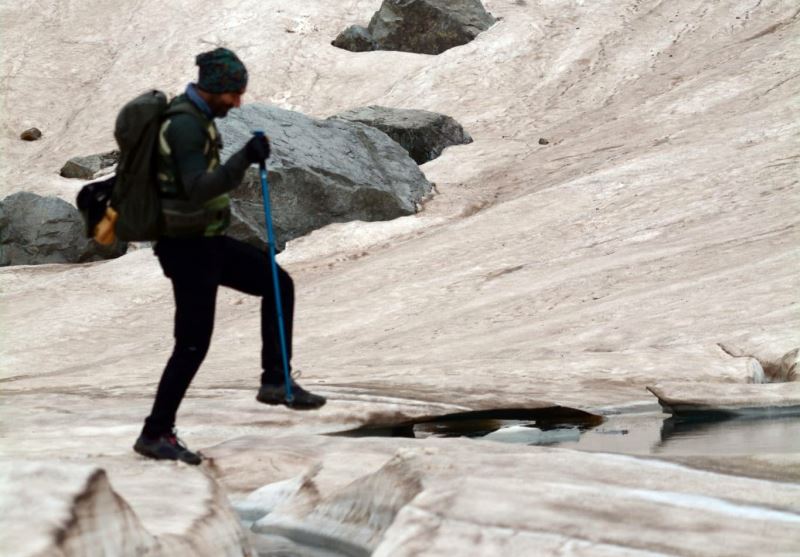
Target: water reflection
{"points": [[645, 433], [729, 435], [661, 434]]}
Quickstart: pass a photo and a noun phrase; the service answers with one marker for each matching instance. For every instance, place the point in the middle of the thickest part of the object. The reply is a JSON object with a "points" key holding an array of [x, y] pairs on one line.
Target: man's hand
{"points": [[257, 149]]}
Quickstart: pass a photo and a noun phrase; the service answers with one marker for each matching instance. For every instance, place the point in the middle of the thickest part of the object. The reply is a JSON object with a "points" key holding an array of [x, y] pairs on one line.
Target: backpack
{"points": [[135, 197], [132, 211]]}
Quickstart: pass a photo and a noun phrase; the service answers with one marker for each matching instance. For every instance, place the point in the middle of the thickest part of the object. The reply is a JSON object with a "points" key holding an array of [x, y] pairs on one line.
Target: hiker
{"points": [[196, 255]]}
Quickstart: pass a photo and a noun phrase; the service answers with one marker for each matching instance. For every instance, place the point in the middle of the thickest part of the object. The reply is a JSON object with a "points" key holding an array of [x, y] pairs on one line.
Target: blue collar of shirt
{"points": [[197, 100]]}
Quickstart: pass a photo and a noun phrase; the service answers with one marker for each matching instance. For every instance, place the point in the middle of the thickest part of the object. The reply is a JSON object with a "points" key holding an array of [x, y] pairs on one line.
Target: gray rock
{"points": [[320, 172], [247, 222], [86, 167], [427, 26], [36, 230], [356, 39], [31, 134], [422, 133]]}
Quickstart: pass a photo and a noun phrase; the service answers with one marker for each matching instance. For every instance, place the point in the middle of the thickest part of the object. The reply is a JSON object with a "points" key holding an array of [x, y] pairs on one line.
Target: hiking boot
{"points": [[166, 447], [302, 399]]}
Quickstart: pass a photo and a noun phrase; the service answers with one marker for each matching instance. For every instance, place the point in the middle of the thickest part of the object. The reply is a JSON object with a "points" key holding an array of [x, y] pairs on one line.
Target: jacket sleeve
{"points": [[187, 140]]}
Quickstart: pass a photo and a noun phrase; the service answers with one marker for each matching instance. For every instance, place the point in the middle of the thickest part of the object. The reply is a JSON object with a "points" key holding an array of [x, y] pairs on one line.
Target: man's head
{"points": [[222, 80]]}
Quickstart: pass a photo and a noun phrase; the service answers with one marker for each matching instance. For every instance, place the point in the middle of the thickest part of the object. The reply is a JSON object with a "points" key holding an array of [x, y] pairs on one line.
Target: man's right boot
{"points": [[166, 447]]}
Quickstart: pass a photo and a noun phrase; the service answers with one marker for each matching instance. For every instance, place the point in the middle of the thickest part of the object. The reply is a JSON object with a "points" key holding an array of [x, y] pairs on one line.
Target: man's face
{"points": [[221, 103]]}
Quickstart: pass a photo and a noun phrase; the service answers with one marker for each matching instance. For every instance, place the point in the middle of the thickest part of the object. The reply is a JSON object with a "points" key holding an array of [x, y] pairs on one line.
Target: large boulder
{"points": [[320, 172], [422, 133], [86, 167], [35, 230], [421, 26], [355, 39]]}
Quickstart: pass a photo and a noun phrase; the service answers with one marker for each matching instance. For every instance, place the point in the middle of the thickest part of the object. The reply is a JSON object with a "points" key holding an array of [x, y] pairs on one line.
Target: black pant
{"points": [[197, 267]]}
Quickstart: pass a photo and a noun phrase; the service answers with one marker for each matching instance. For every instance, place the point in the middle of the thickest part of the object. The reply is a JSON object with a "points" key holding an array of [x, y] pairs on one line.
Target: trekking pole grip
{"points": [[260, 133]]}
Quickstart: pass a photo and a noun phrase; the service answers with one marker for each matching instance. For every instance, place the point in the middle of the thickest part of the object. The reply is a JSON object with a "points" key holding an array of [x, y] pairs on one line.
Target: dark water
{"points": [[652, 433], [640, 433]]}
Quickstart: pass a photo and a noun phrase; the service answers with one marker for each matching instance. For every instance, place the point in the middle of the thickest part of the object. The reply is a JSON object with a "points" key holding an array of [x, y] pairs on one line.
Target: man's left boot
{"points": [[301, 398]]}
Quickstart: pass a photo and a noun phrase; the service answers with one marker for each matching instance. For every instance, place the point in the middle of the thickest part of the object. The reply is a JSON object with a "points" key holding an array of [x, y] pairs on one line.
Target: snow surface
{"points": [[659, 222]]}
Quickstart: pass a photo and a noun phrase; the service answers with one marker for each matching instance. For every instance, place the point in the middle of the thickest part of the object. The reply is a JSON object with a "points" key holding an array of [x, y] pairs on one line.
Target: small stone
{"points": [[31, 135], [543, 141]]}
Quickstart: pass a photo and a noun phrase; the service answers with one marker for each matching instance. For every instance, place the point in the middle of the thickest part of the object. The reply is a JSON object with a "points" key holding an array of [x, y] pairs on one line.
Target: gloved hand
{"points": [[257, 149]]}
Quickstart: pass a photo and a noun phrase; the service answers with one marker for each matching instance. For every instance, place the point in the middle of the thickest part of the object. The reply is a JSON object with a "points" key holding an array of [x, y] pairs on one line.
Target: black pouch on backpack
{"points": [[92, 202]]}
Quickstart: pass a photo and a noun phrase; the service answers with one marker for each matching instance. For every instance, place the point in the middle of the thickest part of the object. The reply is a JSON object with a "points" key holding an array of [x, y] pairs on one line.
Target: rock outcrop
{"points": [[422, 133], [36, 230], [320, 172], [421, 26], [87, 167]]}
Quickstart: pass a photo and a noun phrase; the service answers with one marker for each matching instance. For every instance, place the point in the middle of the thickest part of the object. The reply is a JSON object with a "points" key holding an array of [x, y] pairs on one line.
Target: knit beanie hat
{"points": [[221, 71]]}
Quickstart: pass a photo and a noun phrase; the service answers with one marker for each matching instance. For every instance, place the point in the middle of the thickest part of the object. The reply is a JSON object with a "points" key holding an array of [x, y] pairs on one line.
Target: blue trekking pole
{"points": [[262, 167]]}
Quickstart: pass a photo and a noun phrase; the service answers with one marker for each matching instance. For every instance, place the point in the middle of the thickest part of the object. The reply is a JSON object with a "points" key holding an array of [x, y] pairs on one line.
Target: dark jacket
{"points": [[194, 185]]}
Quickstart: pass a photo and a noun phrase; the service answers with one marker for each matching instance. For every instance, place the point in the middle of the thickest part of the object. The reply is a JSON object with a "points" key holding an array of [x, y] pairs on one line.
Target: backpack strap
{"points": [[183, 108], [169, 182], [212, 135]]}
